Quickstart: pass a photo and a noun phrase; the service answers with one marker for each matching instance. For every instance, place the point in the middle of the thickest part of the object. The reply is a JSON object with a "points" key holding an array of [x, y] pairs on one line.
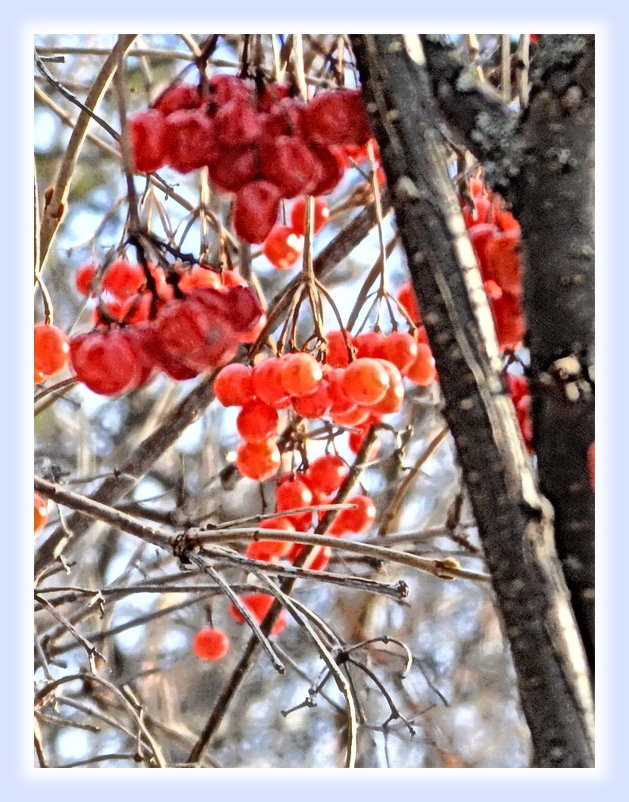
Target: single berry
{"points": [[298, 215], [257, 422], [356, 519], [422, 371], [210, 644], [293, 494], [190, 140], [259, 461], [301, 374], [399, 348], [406, 298], [105, 362], [177, 97], [393, 398], [233, 386], [122, 279], [84, 277], [326, 474], [255, 210], [337, 353], [267, 386], [314, 405], [51, 349], [147, 132], [338, 118], [369, 344], [365, 381], [282, 247]]}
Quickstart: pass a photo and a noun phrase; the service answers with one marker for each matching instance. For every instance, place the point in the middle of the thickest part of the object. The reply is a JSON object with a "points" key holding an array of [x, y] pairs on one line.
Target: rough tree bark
{"points": [[543, 163], [514, 519]]}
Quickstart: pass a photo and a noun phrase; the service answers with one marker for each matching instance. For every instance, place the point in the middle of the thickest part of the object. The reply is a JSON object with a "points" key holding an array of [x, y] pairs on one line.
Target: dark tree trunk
{"points": [[514, 520]]}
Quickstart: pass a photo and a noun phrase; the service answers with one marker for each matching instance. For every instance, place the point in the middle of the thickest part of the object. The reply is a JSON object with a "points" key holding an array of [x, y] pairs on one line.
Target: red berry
{"points": [[235, 167], [256, 422], [327, 473], [267, 384], [319, 559], [175, 98], [259, 461], [357, 519], [51, 349], [233, 386], [259, 605], [105, 362], [369, 344], [210, 644], [422, 371], [122, 279], [237, 123], [255, 210], [292, 494], [288, 162], [331, 168], [298, 215], [352, 416], [41, 513], [399, 348], [406, 297], [267, 550], [188, 331], [365, 381], [315, 404], [84, 277], [301, 374], [394, 396], [190, 140], [243, 307], [591, 463], [147, 132], [337, 354], [227, 87], [282, 247], [337, 118], [140, 338]]}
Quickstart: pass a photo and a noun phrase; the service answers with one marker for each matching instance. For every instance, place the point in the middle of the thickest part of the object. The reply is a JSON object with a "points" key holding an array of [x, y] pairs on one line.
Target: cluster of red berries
{"points": [[189, 322], [51, 351], [495, 236], [318, 484], [262, 145], [360, 381]]}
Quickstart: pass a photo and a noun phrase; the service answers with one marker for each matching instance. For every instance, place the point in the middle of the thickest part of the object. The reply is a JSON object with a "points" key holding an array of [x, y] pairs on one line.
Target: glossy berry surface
{"points": [[365, 381], [210, 644], [259, 461], [51, 349], [257, 422], [326, 473], [283, 247], [233, 386], [301, 374], [298, 215]]}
